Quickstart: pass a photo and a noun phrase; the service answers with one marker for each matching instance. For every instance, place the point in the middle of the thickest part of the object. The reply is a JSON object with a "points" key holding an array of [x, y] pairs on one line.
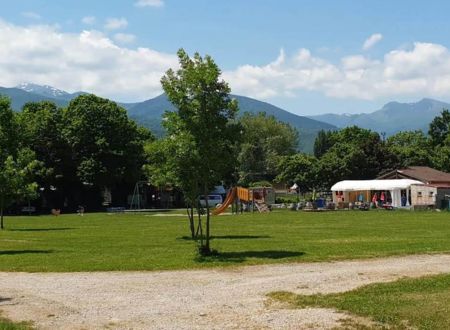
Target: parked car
{"points": [[213, 200]]}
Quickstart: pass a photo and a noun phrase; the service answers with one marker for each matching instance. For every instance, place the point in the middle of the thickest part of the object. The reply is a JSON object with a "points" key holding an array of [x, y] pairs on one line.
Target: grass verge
{"points": [[421, 303], [6, 324], [102, 242]]}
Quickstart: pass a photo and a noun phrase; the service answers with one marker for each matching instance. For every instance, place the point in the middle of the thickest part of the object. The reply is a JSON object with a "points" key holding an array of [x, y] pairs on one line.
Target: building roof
{"points": [[363, 185], [424, 174]]}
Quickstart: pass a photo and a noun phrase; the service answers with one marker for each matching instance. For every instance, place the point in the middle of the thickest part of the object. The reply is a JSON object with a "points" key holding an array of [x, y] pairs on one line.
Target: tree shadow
{"points": [[15, 252], [241, 256], [42, 229], [189, 238], [240, 236]]}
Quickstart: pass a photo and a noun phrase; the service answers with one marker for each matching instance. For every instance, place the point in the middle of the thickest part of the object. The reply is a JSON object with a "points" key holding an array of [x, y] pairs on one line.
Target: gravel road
{"points": [[230, 298]]}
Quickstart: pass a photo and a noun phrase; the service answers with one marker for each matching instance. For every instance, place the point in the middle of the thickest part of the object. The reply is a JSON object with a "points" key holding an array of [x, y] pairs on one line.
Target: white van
{"points": [[213, 200]]}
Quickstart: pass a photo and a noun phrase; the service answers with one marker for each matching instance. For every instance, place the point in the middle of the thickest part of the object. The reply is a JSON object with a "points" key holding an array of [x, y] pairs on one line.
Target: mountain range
{"points": [[390, 119], [149, 113], [393, 117]]}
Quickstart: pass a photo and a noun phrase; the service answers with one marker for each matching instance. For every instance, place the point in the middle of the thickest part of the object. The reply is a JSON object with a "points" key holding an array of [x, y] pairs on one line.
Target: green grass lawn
{"points": [[408, 303], [142, 242], [9, 325]]}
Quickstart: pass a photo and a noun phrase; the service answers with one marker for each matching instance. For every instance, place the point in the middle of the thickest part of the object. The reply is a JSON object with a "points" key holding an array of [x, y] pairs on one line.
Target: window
{"points": [[419, 194], [431, 194]]}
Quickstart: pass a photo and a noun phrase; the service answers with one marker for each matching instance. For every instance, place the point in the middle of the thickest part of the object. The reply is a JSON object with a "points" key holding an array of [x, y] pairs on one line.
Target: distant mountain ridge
{"points": [[149, 113], [392, 117], [308, 128]]}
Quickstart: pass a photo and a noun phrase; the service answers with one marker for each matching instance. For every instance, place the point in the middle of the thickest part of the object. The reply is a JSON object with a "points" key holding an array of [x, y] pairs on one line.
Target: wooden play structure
{"points": [[258, 198]]}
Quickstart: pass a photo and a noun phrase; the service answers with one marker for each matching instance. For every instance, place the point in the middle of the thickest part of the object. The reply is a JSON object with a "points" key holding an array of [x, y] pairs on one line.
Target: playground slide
{"points": [[227, 202]]}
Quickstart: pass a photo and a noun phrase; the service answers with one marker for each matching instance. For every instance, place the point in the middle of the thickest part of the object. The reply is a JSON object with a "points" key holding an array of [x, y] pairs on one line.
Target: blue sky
{"points": [[305, 56]]}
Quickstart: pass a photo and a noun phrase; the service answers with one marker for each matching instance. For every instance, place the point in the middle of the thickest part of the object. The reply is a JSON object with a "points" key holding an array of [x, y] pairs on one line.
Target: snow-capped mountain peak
{"points": [[44, 90]]}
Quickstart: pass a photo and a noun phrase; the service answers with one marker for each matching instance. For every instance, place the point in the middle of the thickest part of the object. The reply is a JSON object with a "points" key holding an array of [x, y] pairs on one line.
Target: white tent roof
{"points": [[362, 185]]}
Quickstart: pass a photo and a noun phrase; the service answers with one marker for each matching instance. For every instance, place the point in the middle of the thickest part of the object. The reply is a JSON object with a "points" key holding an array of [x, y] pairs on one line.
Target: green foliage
{"points": [[6, 324], [301, 169], [441, 157], [287, 199], [410, 148], [9, 130], [158, 165], [106, 146], [356, 154], [264, 140], [17, 165], [323, 142], [404, 304], [262, 183], [16, 179], [202, 137], [440, 128], [42, 124]]}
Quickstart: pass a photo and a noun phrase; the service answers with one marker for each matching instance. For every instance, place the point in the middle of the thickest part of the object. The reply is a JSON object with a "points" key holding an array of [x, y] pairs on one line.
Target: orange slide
{"points": [[228, 201]]}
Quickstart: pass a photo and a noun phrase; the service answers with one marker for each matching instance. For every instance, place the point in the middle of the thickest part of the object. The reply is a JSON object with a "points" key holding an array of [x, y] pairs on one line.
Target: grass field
{"points": [[9, 325], [144, 242], [409, 303]]}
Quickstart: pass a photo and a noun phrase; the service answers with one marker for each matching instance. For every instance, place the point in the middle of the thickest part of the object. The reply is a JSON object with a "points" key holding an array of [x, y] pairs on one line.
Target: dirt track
{"points": [[213, 299]]}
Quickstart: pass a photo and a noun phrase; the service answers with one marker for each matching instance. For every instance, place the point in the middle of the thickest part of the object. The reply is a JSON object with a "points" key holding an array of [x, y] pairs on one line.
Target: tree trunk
{"points": [[207, 249], [190, 212], [2, 202], [200, 229]]}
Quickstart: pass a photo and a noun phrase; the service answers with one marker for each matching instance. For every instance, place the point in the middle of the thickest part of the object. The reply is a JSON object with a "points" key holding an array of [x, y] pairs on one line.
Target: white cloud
{"points": [[31, 14], [93, 62], [124, 38], [149, 3], [115, 23], [88, 20], [422, 70], [87, 61], [372, 40]]}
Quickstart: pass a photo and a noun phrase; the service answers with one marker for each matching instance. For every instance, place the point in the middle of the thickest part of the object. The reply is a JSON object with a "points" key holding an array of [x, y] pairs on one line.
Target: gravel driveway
{"points": [[231, 298]]}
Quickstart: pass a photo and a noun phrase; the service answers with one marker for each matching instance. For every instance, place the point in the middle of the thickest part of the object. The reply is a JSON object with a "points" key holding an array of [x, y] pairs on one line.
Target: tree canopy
{"points": [[106, 146], [440, 128], [17, 163], [264, 141]]}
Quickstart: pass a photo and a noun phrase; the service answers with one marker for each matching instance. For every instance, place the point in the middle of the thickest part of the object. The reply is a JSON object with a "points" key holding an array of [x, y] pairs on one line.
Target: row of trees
{"points": [[66, 156], [356, 153]]}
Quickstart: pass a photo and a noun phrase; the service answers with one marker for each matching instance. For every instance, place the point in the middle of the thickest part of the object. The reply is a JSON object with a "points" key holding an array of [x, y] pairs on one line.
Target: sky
{"points": [[308, 57]]}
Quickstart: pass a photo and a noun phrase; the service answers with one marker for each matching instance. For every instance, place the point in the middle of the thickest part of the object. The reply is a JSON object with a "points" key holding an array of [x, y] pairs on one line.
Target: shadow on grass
{"points": [[14, 252], [189, 238], [240, 237], [42, 229], [238, 257]]}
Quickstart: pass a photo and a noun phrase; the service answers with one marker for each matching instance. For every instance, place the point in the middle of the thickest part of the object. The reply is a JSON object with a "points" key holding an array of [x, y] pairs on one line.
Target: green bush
{"points": [[260, 184]]}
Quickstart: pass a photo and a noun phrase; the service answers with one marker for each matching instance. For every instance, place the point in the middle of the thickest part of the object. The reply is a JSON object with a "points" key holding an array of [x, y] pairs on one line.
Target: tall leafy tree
{"points": [[323, 142], [264, 141], [439, 128], [17, 164], [106, 146], [203, 138], [42, 125], [16, 180], [410, 148], [301, 169], [439, 132], [357, 153]]}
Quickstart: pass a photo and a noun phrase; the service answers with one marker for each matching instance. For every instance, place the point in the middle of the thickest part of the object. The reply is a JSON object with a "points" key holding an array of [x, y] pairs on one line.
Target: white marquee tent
{"points": [[394, 186]]}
